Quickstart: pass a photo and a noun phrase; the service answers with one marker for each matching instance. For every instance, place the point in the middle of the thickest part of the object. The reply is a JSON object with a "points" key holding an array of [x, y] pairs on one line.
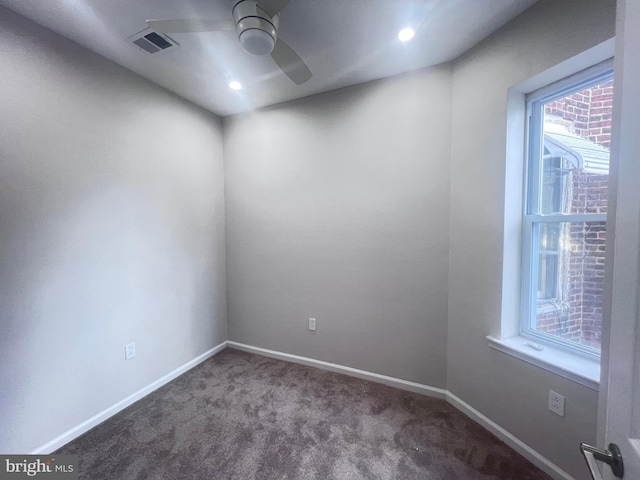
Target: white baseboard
{"points": [[352, 372], [87, 425], [519, 446]]}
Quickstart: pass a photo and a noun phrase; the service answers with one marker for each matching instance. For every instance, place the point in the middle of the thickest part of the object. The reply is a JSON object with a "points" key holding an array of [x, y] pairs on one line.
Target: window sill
{"points": [[575, 367]]}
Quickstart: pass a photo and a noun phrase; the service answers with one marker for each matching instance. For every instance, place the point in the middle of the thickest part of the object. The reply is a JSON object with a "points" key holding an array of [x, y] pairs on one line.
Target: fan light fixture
{"points": [[257, 30], [235, 85], [406, 34], [256, 23], [257, 42]]}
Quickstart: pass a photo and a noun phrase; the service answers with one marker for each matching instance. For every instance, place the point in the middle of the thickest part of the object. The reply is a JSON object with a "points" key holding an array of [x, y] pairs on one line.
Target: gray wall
{"points": [[337, 208], [111, 231], [510, 392]]}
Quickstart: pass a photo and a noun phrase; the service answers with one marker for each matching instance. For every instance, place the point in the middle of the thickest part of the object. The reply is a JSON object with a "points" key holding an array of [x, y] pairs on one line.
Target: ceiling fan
{"points": [[256, 22]]}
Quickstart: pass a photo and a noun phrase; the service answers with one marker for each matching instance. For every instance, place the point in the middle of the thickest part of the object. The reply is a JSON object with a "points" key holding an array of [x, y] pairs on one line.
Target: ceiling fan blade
{"points": [[290, 63], [189, 25], [272, 7]]}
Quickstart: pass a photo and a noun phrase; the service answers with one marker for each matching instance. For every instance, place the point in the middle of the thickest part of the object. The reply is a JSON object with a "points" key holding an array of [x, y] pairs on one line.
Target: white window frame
{"points": [[504, 335], [532, 217]]}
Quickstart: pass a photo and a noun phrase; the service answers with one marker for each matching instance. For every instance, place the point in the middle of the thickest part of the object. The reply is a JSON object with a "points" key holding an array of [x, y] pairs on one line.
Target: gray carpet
{"points": [[244, 416]]}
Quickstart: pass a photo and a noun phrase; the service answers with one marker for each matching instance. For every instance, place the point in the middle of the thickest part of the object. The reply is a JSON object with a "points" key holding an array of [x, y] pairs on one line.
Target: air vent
{"points": [[152, 42]]}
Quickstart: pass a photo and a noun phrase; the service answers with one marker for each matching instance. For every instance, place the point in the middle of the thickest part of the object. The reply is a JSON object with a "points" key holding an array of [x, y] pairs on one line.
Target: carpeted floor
{"points": [[244, 416]]}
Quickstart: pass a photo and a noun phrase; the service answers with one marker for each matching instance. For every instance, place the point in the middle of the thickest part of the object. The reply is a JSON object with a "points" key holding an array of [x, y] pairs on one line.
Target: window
{"points": [[564, 237]]}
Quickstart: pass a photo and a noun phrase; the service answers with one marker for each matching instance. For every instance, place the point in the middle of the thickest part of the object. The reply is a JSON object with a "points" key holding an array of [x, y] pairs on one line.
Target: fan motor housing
{"points": [[258, 32]]}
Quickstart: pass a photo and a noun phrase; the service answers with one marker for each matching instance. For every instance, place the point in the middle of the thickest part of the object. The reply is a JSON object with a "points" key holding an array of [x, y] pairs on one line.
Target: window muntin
{"points": [[566, 204]]}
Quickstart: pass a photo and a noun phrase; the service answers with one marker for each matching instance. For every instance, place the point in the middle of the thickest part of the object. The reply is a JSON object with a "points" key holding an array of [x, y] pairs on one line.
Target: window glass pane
{"points": [[548, 260], [575, 163], [570, 279]]}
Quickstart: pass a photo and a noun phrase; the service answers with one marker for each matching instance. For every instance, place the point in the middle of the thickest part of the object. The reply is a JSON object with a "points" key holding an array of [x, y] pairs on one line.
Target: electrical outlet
{"points": [[556, 403], [312, 324], [129, 351]]}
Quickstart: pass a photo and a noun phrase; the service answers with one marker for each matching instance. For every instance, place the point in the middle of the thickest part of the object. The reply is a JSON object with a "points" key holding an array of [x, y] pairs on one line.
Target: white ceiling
{"points": [[344, 42]]}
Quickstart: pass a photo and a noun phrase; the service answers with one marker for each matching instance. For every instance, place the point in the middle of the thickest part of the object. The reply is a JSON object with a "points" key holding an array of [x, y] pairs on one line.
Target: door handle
{"points": [[612, 457]]}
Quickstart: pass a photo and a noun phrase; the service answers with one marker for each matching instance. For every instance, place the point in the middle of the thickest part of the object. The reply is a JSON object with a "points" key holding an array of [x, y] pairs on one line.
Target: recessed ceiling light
{"points": [[235, 85], [406, 34]]}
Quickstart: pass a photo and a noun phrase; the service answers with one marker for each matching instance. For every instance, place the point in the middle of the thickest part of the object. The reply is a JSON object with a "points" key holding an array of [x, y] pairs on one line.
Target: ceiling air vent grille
{"points": [[152, 42]]}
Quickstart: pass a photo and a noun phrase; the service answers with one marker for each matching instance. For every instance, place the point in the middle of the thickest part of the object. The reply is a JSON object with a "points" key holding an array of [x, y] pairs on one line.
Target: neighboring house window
{"points": [[565, 213]]}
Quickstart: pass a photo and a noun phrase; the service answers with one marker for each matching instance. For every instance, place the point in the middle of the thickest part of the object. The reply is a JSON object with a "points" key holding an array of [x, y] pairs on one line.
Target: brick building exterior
{"points": [[587, 113], [575, 312]]}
